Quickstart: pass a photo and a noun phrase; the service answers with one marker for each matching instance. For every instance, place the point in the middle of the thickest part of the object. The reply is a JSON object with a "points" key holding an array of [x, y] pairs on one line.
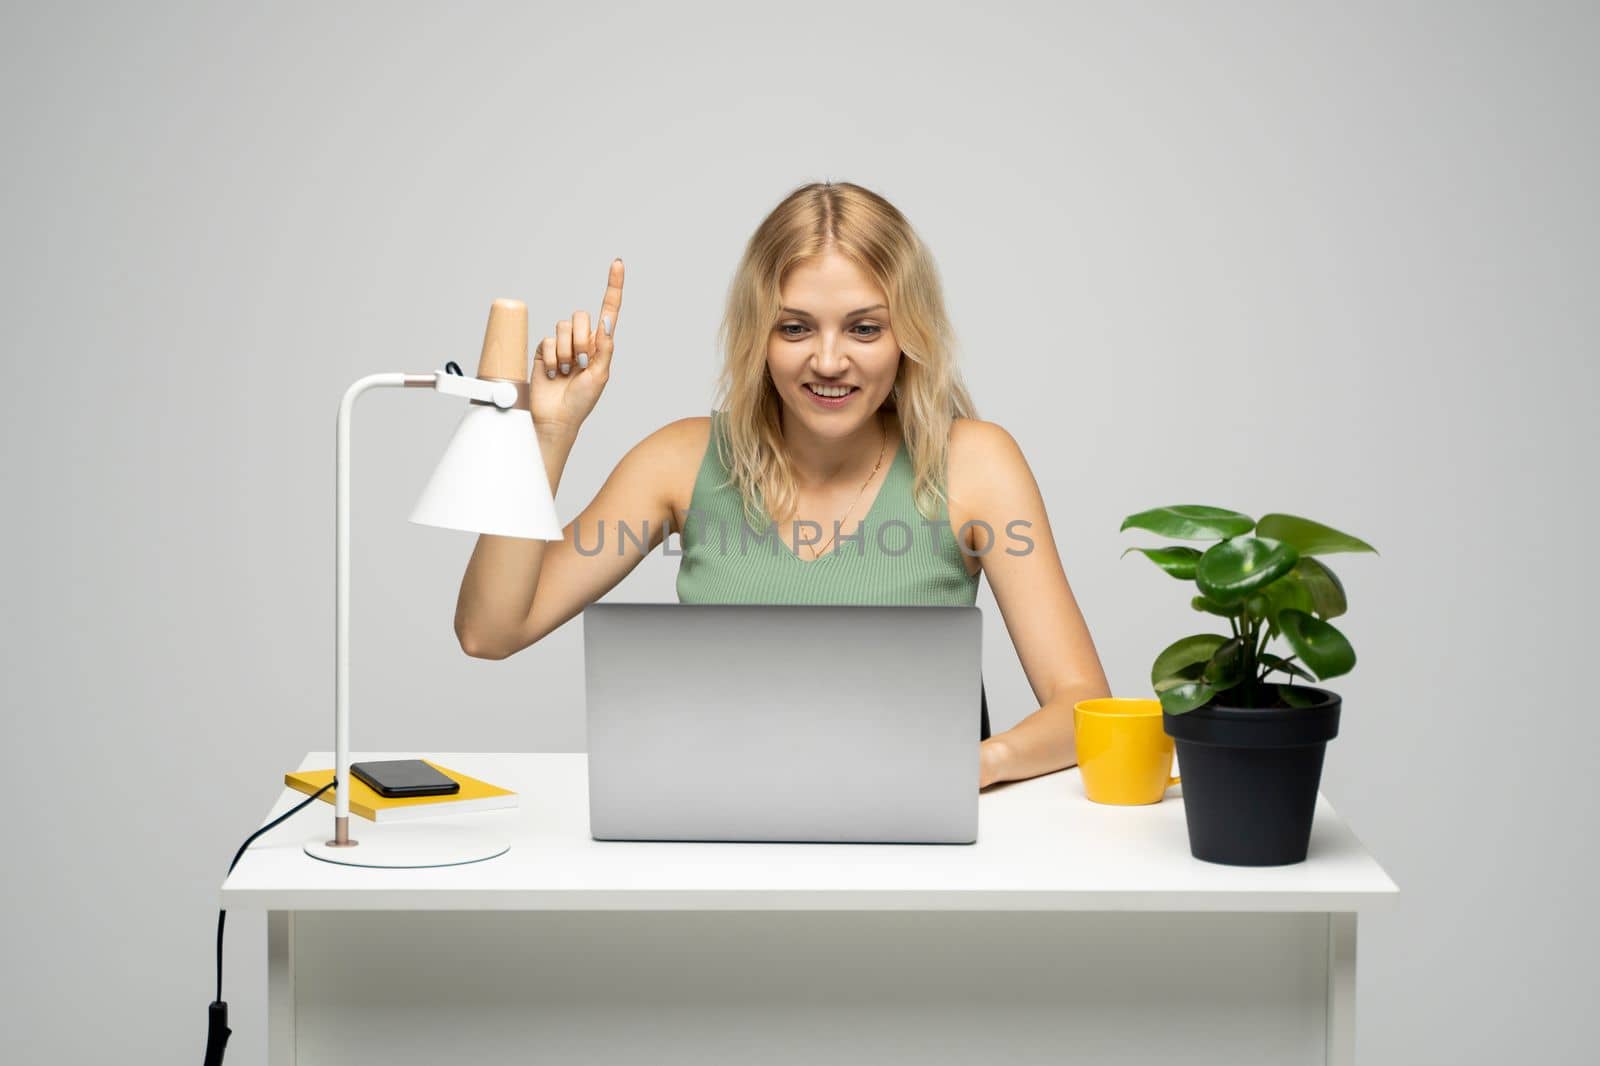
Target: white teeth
{"points": [[831, 392]]}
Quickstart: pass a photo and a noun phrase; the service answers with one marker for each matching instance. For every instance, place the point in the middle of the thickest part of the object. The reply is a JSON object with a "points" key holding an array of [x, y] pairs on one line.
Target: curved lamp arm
{"points": [[502, 383]]}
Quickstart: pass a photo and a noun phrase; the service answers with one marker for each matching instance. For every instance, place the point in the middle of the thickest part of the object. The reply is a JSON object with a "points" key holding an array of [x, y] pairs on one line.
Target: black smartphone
{"points": [[398, 778]]}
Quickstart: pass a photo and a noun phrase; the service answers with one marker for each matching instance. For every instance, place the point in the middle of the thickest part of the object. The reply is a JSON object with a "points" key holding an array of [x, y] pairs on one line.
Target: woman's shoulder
{"points": [[678, 444], [975, 443], [983, 459], [671, 458], [682, 432]]}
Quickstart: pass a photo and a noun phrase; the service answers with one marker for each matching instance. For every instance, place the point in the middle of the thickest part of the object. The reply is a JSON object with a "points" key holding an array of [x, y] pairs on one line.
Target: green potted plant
{"points": [[1250, 749]]}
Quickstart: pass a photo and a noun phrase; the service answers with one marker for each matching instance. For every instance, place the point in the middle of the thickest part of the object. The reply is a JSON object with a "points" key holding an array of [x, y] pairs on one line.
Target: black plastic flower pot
{"points": [[1250, 776]]}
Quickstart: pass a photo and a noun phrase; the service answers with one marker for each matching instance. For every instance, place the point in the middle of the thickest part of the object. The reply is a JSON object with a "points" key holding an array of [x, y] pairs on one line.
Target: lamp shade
{"points": [[491, 479]]}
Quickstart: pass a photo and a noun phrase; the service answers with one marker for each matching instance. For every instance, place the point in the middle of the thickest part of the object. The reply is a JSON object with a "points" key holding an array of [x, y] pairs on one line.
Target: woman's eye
{"points": [[872, 331]]}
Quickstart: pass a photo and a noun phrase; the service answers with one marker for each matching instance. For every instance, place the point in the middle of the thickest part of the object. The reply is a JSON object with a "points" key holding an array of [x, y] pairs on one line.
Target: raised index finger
{"points": [[612, 303]]}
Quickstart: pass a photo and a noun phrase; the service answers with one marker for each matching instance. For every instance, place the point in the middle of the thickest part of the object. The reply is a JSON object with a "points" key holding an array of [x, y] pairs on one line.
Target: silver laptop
{"points": [[838, 724]]}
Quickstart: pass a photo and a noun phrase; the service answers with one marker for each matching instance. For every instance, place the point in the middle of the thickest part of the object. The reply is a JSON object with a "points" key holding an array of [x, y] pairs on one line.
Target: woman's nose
{"points": [[829, 360]]}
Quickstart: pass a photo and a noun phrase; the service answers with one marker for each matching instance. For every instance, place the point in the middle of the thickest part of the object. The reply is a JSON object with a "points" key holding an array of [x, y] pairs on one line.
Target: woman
{"points": [[843, 464]]}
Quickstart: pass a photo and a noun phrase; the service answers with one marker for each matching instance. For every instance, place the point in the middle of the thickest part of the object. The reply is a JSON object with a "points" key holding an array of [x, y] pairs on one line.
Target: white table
{"points": [[1070, 932]]}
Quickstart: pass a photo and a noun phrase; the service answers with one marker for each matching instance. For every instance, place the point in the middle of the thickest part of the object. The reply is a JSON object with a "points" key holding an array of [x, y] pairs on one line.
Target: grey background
{"points": [[1336, 260]]}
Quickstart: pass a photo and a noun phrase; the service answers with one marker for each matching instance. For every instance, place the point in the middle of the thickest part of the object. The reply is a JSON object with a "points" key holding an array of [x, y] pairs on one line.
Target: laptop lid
{"points": [[843, 724]]}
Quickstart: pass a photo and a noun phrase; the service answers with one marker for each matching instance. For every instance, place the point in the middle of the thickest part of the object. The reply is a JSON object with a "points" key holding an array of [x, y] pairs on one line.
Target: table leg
{"points": [[280, 988], [1342, 988]]}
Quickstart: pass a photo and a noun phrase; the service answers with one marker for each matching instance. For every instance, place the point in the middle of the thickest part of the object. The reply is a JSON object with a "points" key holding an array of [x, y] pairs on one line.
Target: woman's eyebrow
{"points": [[852, 314]]}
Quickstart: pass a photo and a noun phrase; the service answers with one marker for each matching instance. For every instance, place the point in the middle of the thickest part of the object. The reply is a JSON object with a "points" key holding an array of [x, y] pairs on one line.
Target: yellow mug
{"points": [[1124, 754]]}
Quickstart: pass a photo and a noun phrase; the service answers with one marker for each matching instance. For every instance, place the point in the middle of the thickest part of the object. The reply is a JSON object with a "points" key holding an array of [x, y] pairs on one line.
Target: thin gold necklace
{"points": [[816, 552]]}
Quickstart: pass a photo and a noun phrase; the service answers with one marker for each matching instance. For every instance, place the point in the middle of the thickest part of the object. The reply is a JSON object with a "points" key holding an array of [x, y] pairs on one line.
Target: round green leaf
{"points": [[1183, 653], [1183, 677], [1326, 591], [1191, 522], [1175, 560], [1323, 649], [1286, 592], [1181, 699], [1200, 603], [1308, 537], [1226, 666], [1296, 696], [1230, 571]]}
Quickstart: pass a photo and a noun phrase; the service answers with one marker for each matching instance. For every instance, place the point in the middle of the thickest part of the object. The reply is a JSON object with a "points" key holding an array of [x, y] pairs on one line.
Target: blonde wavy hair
{"points": [[928, 392]]}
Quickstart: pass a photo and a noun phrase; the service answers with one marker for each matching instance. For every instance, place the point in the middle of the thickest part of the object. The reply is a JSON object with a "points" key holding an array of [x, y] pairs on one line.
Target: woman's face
{"points": [[832, 336]]}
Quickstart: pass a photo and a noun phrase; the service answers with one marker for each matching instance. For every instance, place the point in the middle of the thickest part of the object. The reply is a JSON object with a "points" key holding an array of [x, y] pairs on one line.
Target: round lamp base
{"points": [[409, 845]]}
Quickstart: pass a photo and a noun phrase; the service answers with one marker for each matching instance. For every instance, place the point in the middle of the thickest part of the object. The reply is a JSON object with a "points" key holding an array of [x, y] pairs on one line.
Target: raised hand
{"points": [[571, 369]]}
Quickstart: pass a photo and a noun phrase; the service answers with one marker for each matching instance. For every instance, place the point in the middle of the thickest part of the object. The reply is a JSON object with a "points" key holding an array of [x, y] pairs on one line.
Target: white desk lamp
{"points": [[490, 480]]}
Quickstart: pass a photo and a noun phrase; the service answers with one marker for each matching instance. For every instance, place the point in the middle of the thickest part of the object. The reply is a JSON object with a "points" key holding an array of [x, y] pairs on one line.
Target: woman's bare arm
{"points": [[1030, 585], [502, 576], [517, 591]]}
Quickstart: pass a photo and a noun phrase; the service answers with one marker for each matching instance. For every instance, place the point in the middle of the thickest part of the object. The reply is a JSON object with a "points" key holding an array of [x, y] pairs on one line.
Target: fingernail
{"points": [[551, 372], [566, 367], [605, 320], [583, 361]]}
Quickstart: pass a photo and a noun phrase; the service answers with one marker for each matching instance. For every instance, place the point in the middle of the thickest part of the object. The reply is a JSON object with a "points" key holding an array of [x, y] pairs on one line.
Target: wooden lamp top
{"points": [[505, 342]]}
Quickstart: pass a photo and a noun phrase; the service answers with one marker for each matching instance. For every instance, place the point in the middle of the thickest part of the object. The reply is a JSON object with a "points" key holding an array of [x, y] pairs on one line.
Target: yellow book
{"points": [[475, 795]]}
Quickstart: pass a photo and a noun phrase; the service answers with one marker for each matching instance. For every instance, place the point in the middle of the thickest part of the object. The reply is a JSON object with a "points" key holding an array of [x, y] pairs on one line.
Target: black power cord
{"points": [[217, 1031]]}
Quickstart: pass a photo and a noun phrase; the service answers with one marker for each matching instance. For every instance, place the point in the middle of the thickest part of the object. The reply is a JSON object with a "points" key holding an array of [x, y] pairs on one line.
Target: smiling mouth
{"points": [[833, 392]]}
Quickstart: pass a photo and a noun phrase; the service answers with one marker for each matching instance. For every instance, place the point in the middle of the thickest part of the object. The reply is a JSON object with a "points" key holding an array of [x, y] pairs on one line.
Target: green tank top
{"points": [[895, 557]]}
